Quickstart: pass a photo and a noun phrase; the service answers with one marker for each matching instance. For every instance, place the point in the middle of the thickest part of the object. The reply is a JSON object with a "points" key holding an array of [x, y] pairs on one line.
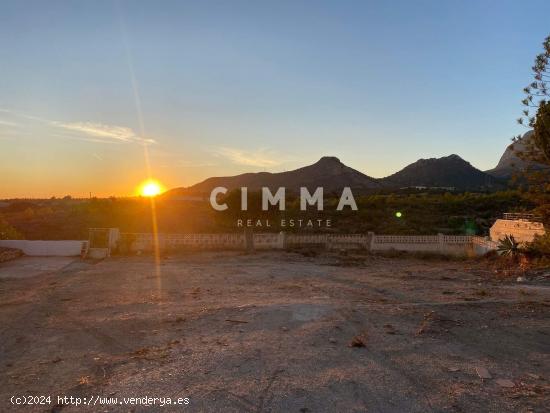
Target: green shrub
{"points": [[509, 247]]}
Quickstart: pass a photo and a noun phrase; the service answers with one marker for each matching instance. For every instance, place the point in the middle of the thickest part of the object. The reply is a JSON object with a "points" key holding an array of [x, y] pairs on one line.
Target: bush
{"points": [[540, 246], [7, 231]]}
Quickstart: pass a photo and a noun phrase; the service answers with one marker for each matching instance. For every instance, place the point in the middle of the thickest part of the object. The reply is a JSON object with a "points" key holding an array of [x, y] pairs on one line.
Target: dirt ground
{"points": [[273, 332]]}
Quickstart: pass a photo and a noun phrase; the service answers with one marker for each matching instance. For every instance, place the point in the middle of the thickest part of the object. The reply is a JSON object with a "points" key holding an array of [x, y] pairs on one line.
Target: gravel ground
{"points": [[273, 332]]}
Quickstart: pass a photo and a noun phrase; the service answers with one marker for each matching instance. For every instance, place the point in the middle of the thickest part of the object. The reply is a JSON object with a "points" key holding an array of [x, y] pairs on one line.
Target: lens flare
{"points": [[150, 188]]}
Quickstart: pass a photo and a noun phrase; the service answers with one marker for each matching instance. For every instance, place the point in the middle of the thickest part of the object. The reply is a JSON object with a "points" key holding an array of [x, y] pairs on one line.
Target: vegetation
{"points": [[537, 92], [540, 247], [536, 116], [509, 247], [415, 213], [7, 231], [71, 218], [421, 213]]}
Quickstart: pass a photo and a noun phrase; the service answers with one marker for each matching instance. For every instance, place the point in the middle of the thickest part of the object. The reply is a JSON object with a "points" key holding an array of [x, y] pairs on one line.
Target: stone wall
{"points": [[522, 230]]}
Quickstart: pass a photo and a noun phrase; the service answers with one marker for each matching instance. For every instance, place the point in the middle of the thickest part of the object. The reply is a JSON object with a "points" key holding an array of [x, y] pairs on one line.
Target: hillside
{"points": [[448, 172], [510, 163], [328, 172]]}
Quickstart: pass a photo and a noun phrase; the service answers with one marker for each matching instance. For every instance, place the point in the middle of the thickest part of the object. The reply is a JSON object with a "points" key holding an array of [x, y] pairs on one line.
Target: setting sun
{"points": [[150, 188]]}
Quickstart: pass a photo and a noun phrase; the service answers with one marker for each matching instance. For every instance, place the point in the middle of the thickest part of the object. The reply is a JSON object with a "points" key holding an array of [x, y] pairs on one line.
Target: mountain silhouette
{"points": [[329, 172], [450, 172]]}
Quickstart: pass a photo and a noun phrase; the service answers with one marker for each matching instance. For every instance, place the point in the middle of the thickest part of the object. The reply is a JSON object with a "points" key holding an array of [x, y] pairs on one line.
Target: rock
{"points": [[284, 328], [358, 341], [534, 376], [505, 383], [520, 279], [332, 340], [453, 369], [389, 329], [483, 373]]}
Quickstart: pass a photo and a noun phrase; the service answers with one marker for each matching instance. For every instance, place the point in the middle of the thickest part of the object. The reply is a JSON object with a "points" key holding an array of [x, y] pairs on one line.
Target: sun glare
{"points": [[150, 188]]}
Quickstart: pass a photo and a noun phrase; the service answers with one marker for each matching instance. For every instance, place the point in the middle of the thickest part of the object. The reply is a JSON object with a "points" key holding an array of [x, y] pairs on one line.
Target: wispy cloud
{"points": [[102, 131], [9, 129], [262, 158], [86, 131], [7, 123]]}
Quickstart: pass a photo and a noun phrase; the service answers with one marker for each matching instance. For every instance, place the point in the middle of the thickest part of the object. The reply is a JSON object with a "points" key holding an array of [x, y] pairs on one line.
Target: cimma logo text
{"points": [[278, 198]]}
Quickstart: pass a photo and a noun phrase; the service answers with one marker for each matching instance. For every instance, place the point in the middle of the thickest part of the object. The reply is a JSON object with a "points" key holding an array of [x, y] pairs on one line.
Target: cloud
{"points": [[9, 129], [102, 131], [262, 158], [7, 123], [86, 131]]}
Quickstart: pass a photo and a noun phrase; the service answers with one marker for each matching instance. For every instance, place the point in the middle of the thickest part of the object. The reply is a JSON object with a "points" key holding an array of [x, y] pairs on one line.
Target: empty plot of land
{"points": [[26, 267], [275, 332]]}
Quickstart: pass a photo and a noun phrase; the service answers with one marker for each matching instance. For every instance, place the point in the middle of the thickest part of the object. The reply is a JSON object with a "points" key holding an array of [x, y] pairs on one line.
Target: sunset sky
{"points": [[225, 87]]}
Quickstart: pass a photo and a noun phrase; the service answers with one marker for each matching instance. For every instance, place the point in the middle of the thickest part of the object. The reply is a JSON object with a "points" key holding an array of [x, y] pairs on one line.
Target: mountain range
{"points": [[448, 173]]}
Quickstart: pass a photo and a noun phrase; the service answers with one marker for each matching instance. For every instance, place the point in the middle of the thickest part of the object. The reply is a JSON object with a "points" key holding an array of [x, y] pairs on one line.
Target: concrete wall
{"points": [[268, 241], [46, 248], [167, 242], [481, 245], [306, 240], [444, 244], [329, 241], [441, 244], [260, 240], [522, 230], [97, 253]]}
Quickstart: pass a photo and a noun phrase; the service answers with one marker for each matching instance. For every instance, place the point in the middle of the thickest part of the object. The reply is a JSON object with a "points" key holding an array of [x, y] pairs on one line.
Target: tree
{"points": [[536, 116], [541, 135], [537, 92]]}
